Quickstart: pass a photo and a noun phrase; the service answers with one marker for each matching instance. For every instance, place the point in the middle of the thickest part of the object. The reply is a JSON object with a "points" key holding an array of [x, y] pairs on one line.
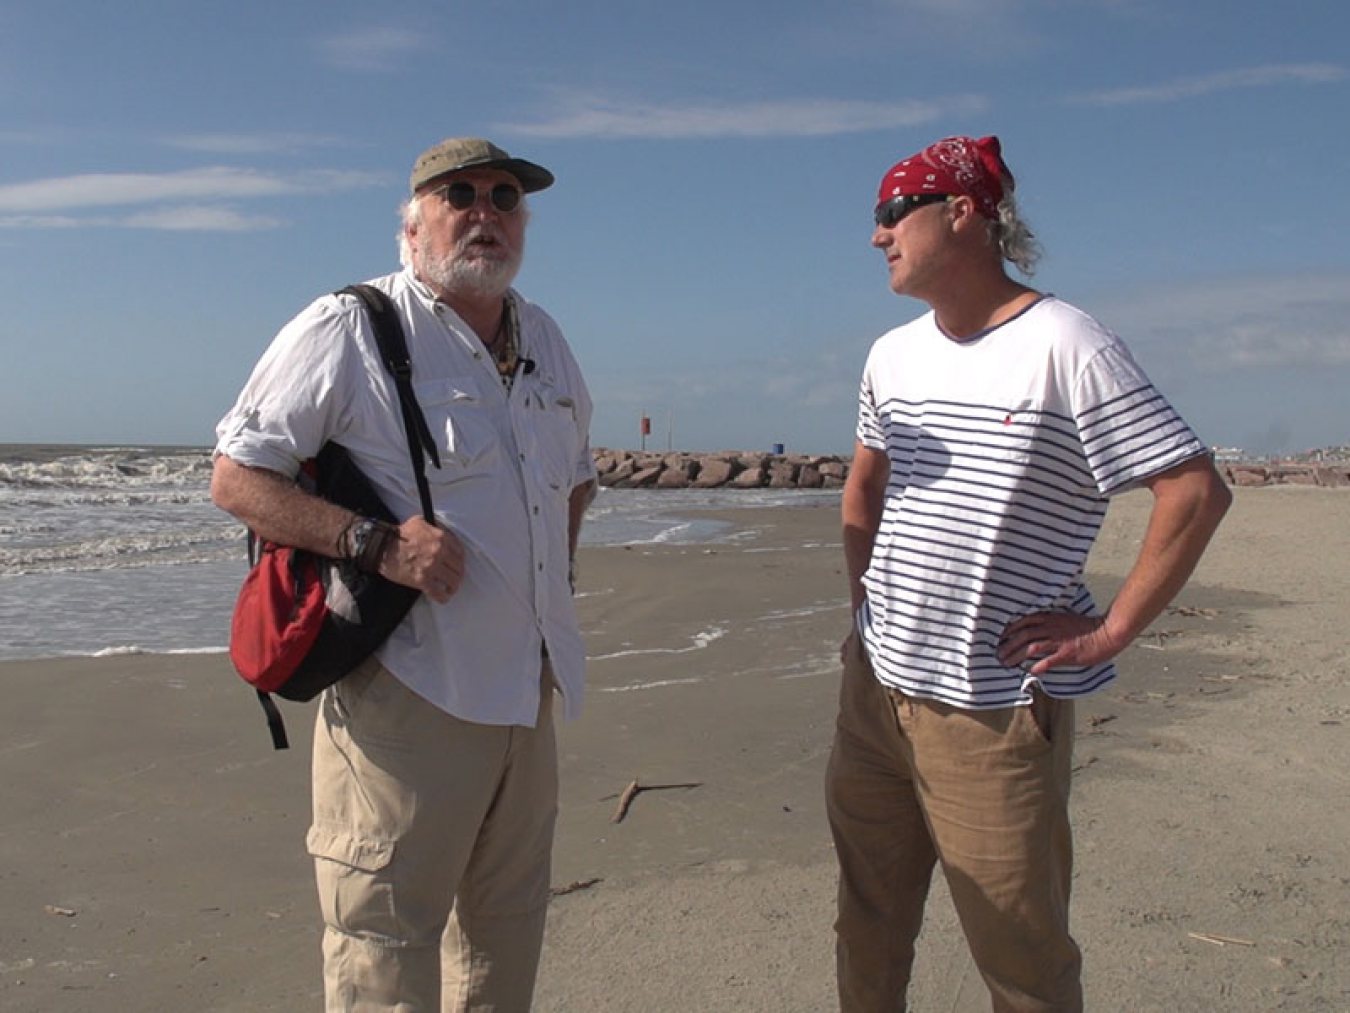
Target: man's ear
{"points": [[961, 212]]}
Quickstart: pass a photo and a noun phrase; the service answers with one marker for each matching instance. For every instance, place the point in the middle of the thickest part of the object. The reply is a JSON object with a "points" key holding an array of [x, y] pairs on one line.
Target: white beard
{"points": [[459, 272]]}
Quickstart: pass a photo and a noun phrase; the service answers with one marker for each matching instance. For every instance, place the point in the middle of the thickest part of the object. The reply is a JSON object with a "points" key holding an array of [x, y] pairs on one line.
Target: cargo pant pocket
{"points": [[356, 890]]}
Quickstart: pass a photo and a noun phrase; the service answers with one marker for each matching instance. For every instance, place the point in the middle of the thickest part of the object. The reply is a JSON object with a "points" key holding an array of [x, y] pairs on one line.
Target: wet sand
{"points": [[151, 844]]}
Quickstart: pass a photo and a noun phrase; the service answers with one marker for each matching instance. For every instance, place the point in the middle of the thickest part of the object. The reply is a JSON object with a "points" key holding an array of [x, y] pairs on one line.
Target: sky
{"points": [[178, 179]]}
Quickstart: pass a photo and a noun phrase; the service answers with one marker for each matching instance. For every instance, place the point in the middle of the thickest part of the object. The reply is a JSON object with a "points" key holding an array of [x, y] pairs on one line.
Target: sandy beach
{"points": [[151, 851]]}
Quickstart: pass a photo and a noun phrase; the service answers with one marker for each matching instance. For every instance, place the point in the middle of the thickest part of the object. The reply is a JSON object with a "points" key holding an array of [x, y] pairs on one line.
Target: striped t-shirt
{"points": [[1003, 450]]}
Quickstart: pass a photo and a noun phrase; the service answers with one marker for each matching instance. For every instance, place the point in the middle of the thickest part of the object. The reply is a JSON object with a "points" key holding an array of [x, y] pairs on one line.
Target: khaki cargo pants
{"points": [[431, 842]]}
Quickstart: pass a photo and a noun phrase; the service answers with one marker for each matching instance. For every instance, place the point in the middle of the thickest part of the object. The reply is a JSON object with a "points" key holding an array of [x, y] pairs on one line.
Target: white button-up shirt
{"points": [[509, 460]]}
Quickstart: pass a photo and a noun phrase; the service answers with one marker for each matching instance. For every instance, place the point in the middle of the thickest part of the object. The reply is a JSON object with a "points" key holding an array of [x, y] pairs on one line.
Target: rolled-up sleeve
{"points": [[298, 396]]}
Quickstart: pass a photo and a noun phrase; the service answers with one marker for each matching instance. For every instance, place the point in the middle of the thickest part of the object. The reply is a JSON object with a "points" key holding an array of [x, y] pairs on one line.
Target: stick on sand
{"points": [[634, 788]]}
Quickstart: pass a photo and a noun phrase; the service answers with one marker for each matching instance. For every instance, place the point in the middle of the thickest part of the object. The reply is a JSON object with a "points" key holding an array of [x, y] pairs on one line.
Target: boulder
{"points": [[750, 478], [678, 475], [714, 472], [642, 478], [783, 475], [809, 477], [619, 473]]}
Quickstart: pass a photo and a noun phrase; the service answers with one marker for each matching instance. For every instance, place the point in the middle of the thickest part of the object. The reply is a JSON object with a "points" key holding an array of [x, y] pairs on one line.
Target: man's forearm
{"points": [[278, 509], [1190, 501], [860, 508], [857, 555]]}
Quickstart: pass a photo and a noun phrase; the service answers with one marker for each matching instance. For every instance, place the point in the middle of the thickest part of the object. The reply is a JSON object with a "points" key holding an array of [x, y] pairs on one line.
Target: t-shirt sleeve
{"points": [[294, 400], [1128, 429], [869, 432]]}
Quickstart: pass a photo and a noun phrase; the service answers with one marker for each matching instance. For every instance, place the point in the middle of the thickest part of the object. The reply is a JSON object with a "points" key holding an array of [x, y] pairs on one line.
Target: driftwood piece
{"points": [[574, 886], [625, 800], [635, 788], [1218, 940]]}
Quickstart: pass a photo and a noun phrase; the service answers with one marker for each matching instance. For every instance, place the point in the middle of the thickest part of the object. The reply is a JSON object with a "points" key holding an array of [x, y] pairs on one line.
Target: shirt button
{"points": [[536, 511], [541, 567], [522, 457]]}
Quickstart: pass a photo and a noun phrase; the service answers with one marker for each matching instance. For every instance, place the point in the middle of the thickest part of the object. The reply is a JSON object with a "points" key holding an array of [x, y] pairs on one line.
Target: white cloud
{"points": [[113, 188], [181, 219], [1256, 362], [40, 222], [372, 50], [1192, 87], [1240, 324], [198, 219], [194, 199], [584, 116], [250, 144]]}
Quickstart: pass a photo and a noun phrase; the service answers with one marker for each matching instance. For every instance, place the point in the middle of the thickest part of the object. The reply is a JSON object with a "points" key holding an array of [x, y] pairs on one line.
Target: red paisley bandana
{"points": [[962, 166]]}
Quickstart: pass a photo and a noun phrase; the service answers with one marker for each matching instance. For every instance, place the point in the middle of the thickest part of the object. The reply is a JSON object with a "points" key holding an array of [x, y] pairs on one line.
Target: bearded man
{"points": [[435, 765]]}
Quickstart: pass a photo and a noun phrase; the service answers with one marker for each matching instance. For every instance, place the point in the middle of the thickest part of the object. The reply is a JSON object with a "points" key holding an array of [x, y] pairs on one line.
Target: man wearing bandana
{"points": [[991, 433]]}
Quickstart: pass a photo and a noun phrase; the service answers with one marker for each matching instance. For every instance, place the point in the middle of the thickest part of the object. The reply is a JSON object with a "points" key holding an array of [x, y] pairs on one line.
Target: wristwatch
{"points": [[365, 543]]}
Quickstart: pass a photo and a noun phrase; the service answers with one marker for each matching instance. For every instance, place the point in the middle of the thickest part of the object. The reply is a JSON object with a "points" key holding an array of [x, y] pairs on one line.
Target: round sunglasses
{"points": [[462, 195]]}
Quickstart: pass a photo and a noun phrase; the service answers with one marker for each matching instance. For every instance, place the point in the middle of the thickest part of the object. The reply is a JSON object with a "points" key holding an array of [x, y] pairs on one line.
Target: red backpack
{"points": [[302, 621]]}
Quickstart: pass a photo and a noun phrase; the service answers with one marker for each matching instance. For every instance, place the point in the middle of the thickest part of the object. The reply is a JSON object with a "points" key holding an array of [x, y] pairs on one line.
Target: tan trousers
{"points": [[431, 842], [913, 782]]}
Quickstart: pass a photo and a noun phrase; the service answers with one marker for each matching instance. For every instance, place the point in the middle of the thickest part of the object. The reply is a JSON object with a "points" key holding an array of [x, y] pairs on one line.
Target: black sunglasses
{"points": [[890, 214], [462, 195]]}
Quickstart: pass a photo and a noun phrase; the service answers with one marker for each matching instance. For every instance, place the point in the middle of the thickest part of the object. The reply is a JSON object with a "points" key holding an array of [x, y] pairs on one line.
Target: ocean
{"points": [[118, 550]]}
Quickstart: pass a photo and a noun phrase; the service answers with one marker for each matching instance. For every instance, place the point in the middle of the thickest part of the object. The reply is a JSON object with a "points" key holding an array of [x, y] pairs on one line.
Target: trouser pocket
{"points": [[355, 889]]}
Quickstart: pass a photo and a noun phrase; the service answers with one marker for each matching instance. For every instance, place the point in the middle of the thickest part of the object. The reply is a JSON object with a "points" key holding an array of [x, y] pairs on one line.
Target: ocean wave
{"points": [[168, 547], [637, 686], [112, 468], [92, 496], [698, 642], [132, 650]]}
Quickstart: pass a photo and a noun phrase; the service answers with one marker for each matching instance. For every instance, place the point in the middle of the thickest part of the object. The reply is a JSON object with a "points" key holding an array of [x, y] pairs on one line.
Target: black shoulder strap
{"points": [[394, 350], [274, 722]]}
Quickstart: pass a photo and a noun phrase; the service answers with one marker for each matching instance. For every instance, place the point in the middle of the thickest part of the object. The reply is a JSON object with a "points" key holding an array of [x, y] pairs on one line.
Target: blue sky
{"points": [[177, 179]]}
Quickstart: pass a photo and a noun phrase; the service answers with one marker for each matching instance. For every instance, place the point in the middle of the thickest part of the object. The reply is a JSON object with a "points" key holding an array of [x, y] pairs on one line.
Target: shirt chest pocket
{"points": [[461, 424], [1019, 435], [557, 438]]}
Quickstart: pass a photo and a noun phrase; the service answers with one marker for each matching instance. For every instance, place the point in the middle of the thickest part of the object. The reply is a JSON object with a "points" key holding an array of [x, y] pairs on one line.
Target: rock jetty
{"points": [[740, 469], [1327, 475], [730, 469]]}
